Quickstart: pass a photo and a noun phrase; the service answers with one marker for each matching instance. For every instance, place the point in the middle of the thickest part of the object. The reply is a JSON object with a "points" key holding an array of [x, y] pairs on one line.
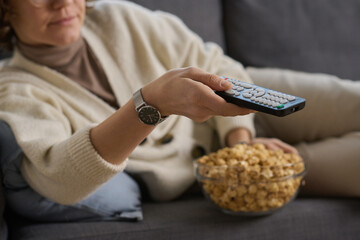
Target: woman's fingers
{"points": [[286, 147], [190, 92], [228, 109], [213, 81], [216, 104], [207, 98], [275, 144]]}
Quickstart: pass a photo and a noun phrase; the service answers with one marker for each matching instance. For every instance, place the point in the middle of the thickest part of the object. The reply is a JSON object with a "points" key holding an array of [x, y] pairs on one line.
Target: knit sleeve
{"points": [[59, 162]]}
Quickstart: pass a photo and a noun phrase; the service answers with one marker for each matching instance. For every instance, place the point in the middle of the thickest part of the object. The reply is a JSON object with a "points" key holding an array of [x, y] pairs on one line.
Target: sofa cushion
{"points": [[306, 35], [194, 217], [4, 54], [202, 16], [117, 199], [3, 228]]}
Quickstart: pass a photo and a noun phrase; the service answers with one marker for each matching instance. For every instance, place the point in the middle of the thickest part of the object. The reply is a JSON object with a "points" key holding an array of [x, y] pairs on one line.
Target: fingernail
{"points": [[225, 84]]}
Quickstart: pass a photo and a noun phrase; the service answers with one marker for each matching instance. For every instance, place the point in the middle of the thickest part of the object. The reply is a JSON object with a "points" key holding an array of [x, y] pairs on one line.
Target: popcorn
{"points": [[250, 178]]}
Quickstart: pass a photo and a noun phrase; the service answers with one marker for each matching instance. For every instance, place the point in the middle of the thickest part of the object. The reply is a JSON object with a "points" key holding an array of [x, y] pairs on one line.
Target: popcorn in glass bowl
{"points": [[250, 179]]}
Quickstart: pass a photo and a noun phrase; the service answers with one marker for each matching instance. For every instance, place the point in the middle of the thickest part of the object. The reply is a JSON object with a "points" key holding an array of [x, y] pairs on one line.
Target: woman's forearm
{"points": [[186, 91], [116, 137], [237, 135]]}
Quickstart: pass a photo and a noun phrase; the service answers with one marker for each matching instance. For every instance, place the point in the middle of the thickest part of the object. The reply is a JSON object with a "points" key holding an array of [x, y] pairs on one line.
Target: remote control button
{"points": [[247, 91], [230, 91], [280, 106], [253, 98], [259, 94], [283, 101], [247, 95], [291, 98], [245, 85], [237, 94]]}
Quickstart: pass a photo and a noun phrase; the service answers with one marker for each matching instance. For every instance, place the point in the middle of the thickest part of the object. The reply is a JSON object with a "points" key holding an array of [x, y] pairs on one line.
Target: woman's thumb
{"points": [[225, 84], [214, 82]]}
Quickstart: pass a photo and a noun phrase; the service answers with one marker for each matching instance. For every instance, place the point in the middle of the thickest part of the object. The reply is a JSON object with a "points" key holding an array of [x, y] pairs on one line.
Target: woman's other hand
{"points": [[190, 92], [275, 144], [242, 135]]}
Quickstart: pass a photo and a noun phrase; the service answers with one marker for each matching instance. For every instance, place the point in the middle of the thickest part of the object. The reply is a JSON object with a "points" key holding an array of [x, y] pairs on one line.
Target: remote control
{"points": [[261, 99]]}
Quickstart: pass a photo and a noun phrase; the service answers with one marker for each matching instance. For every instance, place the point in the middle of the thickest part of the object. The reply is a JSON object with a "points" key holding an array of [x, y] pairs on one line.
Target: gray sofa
{"points": [[307, 35]]}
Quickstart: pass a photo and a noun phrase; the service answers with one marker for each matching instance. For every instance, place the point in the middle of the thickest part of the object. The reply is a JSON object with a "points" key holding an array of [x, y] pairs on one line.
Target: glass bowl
{"points": [[241, 181]]}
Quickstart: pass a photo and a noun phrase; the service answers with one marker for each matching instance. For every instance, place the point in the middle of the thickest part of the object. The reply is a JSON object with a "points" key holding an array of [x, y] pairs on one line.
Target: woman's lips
{"points": [[63, 22]]}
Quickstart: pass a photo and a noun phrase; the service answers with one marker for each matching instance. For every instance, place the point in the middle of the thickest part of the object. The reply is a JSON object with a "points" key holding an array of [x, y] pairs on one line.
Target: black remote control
{"points": [[261, 99]]}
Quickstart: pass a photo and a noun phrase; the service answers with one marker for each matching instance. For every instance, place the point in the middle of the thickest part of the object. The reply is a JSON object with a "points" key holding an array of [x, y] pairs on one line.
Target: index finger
{"points": [[218, 106], [212, 80]]}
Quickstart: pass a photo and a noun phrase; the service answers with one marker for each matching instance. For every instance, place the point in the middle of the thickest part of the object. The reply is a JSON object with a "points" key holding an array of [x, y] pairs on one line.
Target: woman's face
{"points": [[56, 23]]}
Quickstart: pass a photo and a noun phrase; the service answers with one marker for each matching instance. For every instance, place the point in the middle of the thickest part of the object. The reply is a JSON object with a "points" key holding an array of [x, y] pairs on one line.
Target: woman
{"points": [[69, 97], [65, 144]]}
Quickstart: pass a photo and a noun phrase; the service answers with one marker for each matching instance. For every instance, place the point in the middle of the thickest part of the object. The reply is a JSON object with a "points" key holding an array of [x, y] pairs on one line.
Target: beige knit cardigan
{"points": [[51, 115]]}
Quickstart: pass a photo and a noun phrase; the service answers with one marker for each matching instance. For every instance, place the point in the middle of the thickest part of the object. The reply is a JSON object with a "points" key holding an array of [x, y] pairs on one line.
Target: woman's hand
{"points": [[190, 92], [275, 144], [243, 135]]}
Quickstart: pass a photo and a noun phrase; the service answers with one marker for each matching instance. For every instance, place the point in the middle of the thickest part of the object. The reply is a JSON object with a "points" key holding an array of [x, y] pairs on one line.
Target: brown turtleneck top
{"points": [[76, 61]]}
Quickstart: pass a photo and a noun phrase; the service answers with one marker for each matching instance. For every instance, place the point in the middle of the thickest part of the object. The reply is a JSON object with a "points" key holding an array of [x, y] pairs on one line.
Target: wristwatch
{"points": [[147, 114]]}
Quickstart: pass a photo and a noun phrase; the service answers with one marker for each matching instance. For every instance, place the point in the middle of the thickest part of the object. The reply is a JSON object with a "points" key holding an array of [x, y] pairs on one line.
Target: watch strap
{"points": [[138, 100], [139, 103]]}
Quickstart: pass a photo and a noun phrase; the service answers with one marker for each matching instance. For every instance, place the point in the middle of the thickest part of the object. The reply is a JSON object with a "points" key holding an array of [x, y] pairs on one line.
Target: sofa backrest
{"points": [[306, 35], [202, 16]]}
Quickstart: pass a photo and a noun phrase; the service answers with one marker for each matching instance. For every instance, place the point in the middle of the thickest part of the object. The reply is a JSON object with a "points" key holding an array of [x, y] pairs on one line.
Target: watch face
{"points": [[149, 115]]}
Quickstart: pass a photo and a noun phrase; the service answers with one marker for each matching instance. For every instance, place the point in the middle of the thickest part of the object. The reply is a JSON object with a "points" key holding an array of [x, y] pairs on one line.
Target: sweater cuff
{"points": [[87, 161], [225, 124]]}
